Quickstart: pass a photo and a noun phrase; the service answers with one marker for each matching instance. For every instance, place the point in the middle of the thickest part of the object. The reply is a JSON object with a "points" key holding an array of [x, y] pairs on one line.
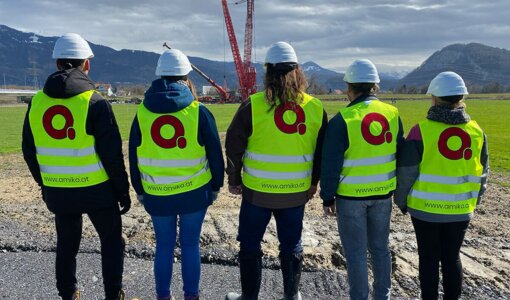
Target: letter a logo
{"points": [[378, 122], [65, 132], [465, 148], [298, 125], [178, 138]]}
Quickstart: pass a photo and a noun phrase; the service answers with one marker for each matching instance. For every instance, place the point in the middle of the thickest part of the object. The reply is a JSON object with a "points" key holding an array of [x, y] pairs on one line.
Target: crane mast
{"points": [[245, 70]]}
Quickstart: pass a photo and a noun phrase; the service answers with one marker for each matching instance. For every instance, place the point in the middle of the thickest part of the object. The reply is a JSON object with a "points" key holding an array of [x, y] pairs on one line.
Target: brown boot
{"points": [[75, 296]]}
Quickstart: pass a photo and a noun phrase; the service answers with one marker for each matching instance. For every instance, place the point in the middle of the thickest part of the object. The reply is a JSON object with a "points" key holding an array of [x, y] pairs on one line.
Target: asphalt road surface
{"points": [[30, 275]]}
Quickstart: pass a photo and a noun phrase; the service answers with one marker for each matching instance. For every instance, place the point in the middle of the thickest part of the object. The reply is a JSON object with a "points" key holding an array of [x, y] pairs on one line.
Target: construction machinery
{"points": [[224, 95], [245, 70]]}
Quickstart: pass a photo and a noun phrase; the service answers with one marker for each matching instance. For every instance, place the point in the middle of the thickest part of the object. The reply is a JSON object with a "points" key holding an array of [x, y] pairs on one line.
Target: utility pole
{"points": [[34, 74]]}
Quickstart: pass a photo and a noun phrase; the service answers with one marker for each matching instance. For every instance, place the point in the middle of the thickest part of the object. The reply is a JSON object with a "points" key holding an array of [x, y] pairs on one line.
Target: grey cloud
{"points": [[393, 33]]}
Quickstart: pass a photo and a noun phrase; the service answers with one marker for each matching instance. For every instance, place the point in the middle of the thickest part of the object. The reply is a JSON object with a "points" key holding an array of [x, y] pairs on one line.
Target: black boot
{"points": [[250, 266], [291, 265]]}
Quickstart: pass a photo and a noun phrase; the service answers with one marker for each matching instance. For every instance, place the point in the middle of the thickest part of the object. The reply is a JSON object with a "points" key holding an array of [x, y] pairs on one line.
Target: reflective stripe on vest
{"points": [[367, 178], [170, 159], [65, 152], [449, 179], [450, 170], [162, 180], [284, 159], [280, 151], [277, 175], [151, 162], [443, 196], [369, 161], [71, 170], [369, 167]]}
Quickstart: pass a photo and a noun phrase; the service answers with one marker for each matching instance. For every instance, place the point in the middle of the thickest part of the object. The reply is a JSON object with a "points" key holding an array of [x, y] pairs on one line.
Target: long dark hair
{"points": [[284, 82]]}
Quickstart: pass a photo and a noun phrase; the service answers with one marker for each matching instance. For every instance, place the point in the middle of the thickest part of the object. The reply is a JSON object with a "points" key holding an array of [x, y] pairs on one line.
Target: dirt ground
{"points": [[485, 254]]}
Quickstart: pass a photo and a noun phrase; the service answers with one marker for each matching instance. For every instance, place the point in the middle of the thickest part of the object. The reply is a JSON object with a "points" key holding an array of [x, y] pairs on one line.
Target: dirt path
{"points": [[485, 254]]}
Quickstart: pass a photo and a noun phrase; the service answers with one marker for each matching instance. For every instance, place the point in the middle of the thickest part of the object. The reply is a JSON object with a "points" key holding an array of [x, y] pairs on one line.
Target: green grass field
{"points": [[491, 115]]}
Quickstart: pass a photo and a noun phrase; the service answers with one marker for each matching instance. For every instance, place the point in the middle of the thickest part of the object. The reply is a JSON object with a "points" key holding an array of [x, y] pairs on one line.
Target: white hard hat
{"points": [[72, 46], [281, 52], [362, 71], [447, 84], [173, 63]]}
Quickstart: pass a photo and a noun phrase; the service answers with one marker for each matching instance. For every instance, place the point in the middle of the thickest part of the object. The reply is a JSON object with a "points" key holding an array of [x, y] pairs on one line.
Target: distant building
{"points": [[104, 89], [208, 90]]}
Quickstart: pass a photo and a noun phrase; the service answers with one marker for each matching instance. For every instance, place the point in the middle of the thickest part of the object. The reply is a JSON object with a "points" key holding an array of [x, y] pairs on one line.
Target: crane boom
{"points": [[221, 90]]}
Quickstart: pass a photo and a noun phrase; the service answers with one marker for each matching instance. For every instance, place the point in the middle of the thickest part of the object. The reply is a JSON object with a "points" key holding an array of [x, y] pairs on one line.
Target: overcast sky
{"points": [[395, 34]]}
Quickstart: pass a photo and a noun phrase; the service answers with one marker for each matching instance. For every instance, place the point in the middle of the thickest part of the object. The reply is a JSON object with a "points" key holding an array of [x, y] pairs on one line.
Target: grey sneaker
{"points": [[295, 297], [233, 296]]}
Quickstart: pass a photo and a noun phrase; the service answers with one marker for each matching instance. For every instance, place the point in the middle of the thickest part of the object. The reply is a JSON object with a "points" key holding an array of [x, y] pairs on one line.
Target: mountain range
{"points": [[478, 64], [25, 59]]}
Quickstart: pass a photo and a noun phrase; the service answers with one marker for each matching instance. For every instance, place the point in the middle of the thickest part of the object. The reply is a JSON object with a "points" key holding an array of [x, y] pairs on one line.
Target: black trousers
{"points": [[440, 242], [108, 225]]}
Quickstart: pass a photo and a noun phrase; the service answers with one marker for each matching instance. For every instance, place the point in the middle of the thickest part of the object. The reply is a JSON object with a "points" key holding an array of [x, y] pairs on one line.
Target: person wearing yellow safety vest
{"points": [[177, 169], [72, 146], [275, 138], [442, 176], [359, 172]]}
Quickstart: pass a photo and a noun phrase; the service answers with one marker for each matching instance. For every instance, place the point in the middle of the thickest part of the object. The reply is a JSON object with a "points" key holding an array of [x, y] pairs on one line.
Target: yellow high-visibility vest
{"points": [[450, 170], [369, 167], [65, 152], [280, 151], [170, 159]]}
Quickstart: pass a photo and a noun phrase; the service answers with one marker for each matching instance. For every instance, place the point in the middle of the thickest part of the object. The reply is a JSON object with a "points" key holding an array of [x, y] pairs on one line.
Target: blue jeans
{"points": [[253, 221], [190, 226], [365, 224]]}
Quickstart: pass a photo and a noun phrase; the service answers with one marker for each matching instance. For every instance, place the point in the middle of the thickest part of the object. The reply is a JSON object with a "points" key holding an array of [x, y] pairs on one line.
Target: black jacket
{"points": [[102, 125], [236, 143]]}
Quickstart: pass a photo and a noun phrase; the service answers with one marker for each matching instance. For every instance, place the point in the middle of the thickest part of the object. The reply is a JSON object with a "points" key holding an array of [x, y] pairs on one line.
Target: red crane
{"points": [[224, 95], [245, 70]]}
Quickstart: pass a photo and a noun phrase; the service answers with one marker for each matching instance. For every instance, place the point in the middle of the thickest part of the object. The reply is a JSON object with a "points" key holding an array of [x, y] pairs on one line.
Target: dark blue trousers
{"points": [[253, 221]]}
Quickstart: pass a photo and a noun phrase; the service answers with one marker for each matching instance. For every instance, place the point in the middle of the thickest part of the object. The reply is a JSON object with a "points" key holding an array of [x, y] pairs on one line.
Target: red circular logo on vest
{"points": [[384, 136], [66, 131], [298, 125], [465, 149], [177, 140]]}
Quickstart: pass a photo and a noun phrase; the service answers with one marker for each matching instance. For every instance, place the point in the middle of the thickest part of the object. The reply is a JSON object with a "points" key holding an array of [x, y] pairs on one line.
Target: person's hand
{"points": [[125, 203], [312, 191], [329, 211], [214, 195], [140, 199], [235, 189]]}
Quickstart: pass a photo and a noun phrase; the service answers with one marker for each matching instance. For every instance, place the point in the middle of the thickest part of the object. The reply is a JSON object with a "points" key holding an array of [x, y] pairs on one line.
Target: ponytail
{"points": [[67, 64]]}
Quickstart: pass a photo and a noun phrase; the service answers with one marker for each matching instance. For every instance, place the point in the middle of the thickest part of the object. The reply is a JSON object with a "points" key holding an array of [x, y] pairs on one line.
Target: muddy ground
{"points": [[26, 225]]}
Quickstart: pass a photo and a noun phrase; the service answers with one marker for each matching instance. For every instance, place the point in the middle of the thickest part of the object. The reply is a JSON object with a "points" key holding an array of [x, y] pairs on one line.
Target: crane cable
{"points": [[224, 57]]}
